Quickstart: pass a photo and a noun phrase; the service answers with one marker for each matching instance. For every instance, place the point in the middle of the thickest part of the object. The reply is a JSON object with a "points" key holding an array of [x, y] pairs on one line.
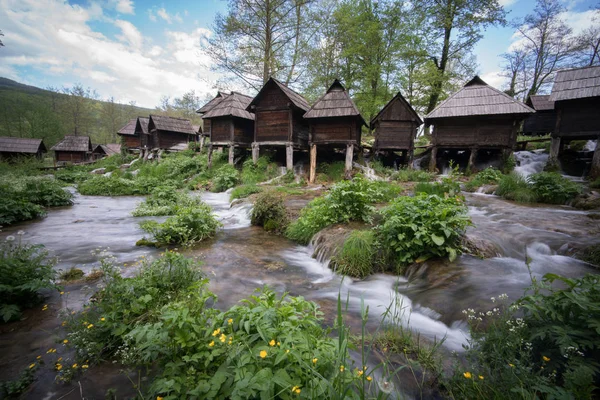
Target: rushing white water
{"points": [[368, 172], [530, 162], [590, 145], [235, 217]]}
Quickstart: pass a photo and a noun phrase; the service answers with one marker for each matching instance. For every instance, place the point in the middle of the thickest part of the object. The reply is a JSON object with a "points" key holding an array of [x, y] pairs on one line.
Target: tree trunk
{"points": [[268, 44], [436, 90]]}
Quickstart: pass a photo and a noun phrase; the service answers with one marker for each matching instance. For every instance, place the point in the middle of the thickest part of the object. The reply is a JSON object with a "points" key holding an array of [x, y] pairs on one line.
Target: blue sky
{"points": [[143, 50]]}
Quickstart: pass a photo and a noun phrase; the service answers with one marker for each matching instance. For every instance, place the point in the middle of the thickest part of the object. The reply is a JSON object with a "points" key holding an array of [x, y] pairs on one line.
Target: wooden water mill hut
{"points": [[168, 133], [543, 121], [230, 124], [12, 148], [395, 127], [141, 129], [130, 138], [576, 97], [476, 117], [206, 108], [334, 121], [278, 120], [73, 148], [105, 150]]}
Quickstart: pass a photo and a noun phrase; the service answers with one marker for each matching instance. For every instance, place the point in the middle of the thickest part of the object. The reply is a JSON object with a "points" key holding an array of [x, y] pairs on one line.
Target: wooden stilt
{"points": [[472, 158], [313, 163], [349, 155], [595, 170], [202, 139], [433, 161], [411, 156], [255, 152], [210, 155], [289, 157], [231, 154], [554, 150]]}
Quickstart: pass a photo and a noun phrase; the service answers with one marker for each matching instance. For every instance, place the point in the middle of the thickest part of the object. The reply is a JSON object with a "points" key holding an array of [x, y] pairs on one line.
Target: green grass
{"points": [[243, 191], [514, 187], [355, 258]]}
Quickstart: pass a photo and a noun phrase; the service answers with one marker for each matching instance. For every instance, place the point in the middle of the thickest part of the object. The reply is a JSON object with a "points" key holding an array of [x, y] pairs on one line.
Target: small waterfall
{"points": [[530, 162], [368, 172], [235, 217], [590, 145]]}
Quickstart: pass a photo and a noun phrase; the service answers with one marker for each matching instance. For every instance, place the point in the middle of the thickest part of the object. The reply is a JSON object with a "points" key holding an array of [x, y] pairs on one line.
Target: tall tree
{"points": [[515, 69], [458, 25], [589, 42], [112, 119], [77, 108]]}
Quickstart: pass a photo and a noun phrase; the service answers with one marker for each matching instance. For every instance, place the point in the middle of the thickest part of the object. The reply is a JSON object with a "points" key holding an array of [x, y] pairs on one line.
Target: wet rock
{"points": [[480, 247], [274, 266], [107, 174], [125, 166], [587, 201], [77, 221], [98, 171]]}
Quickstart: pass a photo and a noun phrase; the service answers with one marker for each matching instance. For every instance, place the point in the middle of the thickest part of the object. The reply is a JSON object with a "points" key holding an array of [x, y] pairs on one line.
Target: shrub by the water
{"points": [[447, 186], [224, 178], [421, 227], [189, 225], [165, 200], [355, 258], [552, 188], [25, 269], [243, 191], [412, 175], [514, 187], [486, 177], [330, 172], [269, 212]]}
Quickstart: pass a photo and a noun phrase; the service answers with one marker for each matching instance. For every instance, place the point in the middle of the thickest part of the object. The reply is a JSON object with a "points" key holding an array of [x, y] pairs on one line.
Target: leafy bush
{"points": [[595, 184], [225, 178], [269, 212], [243, 191], [261, 172], [552, 188], [109, 186], [24, 271], [356, 255], [333, 172], [488, 176], [514, 187], [446, 187], [189, 225], [422, 226], [165, 200], [71, 274], [549, 351], [412, 175]]}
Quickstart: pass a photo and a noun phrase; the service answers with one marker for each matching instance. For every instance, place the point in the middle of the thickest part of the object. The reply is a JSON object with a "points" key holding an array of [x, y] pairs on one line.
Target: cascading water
{"points": [[530, 162]]}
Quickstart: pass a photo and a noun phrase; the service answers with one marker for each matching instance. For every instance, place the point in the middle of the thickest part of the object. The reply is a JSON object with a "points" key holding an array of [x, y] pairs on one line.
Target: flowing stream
{"points": [[242, 258]]}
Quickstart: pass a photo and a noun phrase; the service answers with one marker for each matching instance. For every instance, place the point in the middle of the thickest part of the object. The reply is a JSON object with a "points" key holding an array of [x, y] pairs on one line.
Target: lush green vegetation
{"points": [[488, 176], [544, 187], [346, 201], [536, 145], [416, 228], [412, 175], [243, 191], [356, 256], [25, 197], [24, 270], [262, 171], [515, 187], [330, 172], [269, 212], [225, 177], [189, 225], [165, 200], [543, 346]]}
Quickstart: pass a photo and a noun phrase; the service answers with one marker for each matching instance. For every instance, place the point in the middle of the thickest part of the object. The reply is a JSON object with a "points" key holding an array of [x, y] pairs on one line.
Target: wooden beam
{"points": [[554, 150], [432, 160], [255, 152], [348, 166], [231, 154], [472, 158], [210, 155], [313, 163], [289, 157]]}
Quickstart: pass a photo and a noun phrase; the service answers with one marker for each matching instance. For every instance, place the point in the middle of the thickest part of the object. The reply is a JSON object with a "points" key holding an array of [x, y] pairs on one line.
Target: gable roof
{"points": [[296, 99], [215, 100], [197, 128], [336, 102], [405, 103], [478, 98], [234, 105], [21, 145], [73, 143], [141, 125], [109, 149], [579, 83], [170, 124], [540, 102], [129, 128]]}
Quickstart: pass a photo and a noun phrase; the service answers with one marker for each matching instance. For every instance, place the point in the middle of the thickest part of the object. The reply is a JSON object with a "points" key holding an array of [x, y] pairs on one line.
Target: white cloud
{"points": [[507, 3], [169, 18], [151, 16], [494, 79], [54, 39], [124, 6]]}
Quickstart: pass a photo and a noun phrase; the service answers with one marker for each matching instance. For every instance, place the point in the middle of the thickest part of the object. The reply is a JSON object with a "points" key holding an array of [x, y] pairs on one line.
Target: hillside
{"points": [[28, 111]]}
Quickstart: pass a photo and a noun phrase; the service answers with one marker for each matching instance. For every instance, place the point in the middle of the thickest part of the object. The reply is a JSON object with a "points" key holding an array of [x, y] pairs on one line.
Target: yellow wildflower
{"points": [[369, 378], [31, 365], [65, 341], [75, 365], [222, 338], [102, 319], [159, 398], [230, 321], [61, 293], [58, 367], [84, 366], [360, 372], [315, 360], [90, 326], [72, 312], [51, 350], [481, 377], [216, 331], [263, 354], [546, 359], [63, 323], [211, 344], [278, 343], [296, 390], [511, 365], [467, 375], [272, 343], [287, 351], [342, 368], [39, 357], [59, 359]]}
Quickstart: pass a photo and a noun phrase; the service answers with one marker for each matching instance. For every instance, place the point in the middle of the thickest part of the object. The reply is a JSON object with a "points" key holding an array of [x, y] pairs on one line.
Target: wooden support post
{"points": [[313, 164], [595, 170], [554, 152], [231, 154], [472, 158], [289, 156], [202, 139], [255, 152], [432, 160], [410, 157], [210, 155], [349, 155]]}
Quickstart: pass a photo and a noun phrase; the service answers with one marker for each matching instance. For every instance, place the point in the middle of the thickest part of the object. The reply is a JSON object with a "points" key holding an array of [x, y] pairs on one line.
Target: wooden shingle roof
{"points": [[404, 102], [296, 99], [164, 123], [21, 145], [576, 83], [540, 102], [73, 143], [142, 125], [208, 106], [109, 149], [233, 105], [336, 102], [129, 128], [478, 98]]}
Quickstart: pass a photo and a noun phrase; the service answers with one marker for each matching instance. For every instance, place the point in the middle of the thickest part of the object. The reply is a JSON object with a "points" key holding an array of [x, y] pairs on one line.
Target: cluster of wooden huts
{"points": [[158, 132]]}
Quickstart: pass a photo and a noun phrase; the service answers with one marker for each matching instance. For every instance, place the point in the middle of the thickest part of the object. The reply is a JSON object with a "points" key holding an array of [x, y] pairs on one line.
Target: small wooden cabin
{"points": [[206, 108], [12, 148], [105, 150], [476, 117], [543, 121], [334, 121], [168, 133], [130, 138], [278, 119], [395, 127], [141, 129], [73, 149], [576, 97], [231, 125]]}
